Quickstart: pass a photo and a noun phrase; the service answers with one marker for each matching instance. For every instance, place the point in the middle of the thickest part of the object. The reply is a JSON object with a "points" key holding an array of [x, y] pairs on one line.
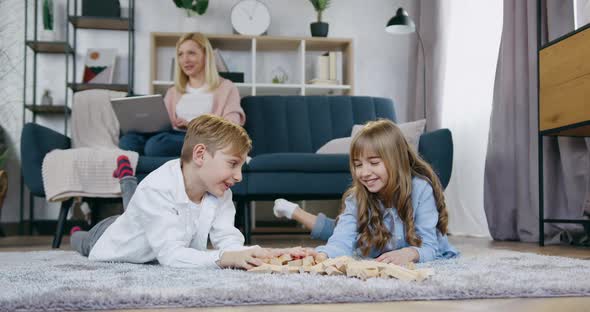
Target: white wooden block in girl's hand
{"points": [[250, 17]]}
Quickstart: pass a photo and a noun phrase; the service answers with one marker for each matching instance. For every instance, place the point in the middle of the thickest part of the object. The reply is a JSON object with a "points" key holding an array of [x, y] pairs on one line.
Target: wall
{"points": [[381, 65]]}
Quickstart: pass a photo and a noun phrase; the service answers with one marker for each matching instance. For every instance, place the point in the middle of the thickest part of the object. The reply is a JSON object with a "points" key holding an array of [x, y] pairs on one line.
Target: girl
{"points": [[197, 90], [394, 211]]}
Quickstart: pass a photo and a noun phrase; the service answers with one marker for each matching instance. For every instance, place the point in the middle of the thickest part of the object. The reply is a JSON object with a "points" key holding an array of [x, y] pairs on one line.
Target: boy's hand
{"points": [[243, 259], [296, 252], [400, 256]]}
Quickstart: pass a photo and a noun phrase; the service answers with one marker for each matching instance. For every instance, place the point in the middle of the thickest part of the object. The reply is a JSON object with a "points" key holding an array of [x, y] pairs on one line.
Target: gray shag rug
{"points": [[63, 280]]}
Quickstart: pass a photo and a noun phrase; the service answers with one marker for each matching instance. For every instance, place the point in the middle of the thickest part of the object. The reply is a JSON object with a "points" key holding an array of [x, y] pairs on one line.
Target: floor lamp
{"points": [[401, 23]]}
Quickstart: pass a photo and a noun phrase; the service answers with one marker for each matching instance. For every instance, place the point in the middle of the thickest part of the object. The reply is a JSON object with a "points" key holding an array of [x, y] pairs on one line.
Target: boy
{"points": [[179, 205]]}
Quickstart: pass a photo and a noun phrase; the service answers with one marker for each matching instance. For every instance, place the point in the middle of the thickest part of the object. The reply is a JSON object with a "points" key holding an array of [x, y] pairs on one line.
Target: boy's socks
{"points": [[123, 167], [284, 208], [75, 229]]}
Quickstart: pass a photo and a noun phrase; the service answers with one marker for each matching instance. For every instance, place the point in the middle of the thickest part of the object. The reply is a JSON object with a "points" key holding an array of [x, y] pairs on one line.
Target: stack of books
{"points": [[327, 67]]}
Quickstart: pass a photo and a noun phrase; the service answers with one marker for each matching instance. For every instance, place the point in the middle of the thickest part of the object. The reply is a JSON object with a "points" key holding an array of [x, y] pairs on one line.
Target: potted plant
{"points": [[192, 9], [47, 33], [319, 28]]}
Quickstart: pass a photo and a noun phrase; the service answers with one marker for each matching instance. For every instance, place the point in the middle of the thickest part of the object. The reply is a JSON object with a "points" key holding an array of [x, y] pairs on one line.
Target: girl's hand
{"points": [[400, 256], [181, 123], [320, 257]]}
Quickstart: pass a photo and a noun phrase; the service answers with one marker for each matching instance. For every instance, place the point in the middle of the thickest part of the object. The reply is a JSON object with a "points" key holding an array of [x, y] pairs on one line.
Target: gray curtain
{"points": [[429, 18], [511, 173]]}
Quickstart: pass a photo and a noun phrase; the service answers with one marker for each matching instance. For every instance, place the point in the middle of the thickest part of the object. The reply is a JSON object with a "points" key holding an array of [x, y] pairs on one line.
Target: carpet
{"points": [[63, 280]]}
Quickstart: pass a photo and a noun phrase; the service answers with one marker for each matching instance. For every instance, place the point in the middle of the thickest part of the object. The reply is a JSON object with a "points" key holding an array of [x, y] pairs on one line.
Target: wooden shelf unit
{"points": [[88, 86], [56, 47], [93, 22], [564, 86], [49, 109], [254, 47], [564, 100]]}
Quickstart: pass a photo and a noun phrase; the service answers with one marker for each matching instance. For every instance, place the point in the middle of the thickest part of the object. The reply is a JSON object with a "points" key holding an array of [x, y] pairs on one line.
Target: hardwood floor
{"points": [[467, 245]]}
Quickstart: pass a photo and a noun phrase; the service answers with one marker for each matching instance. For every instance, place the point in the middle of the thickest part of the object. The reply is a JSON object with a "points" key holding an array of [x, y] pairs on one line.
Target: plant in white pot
{"points": [[319, 28], [192, 9]]}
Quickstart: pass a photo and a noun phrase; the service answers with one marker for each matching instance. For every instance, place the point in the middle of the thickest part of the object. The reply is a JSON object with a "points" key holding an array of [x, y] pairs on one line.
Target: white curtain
{"points": [[475, 29], [461, 41]]}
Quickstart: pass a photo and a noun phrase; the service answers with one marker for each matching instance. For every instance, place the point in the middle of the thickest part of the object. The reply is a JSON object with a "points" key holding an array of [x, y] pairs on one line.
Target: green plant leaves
{"points": [[320, 5], [196, 6]]}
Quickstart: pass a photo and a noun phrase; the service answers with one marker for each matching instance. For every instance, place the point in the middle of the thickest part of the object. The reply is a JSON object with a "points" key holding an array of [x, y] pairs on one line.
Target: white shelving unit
{"points": [[255, 56]]}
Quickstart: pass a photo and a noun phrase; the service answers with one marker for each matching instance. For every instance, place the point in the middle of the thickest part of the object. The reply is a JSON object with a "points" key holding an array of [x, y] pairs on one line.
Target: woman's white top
{"points": [[194, 103], [162, 223]]}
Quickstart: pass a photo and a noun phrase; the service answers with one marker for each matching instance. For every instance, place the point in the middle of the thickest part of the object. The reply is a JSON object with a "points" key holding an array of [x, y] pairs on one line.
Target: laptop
{"points": [[142, 114]]}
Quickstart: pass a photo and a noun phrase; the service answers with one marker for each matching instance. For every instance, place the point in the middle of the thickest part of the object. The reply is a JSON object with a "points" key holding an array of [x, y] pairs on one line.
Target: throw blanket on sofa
{"points": [[87, 168], [86, 172]]}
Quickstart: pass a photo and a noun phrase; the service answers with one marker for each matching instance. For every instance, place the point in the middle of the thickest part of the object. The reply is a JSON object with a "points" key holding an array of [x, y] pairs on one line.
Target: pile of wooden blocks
{"points": [[348, 266]]}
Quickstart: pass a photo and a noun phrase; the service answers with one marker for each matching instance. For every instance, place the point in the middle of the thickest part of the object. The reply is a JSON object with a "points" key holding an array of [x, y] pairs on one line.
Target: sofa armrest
{"points": [[436, 148], [36, 142]]}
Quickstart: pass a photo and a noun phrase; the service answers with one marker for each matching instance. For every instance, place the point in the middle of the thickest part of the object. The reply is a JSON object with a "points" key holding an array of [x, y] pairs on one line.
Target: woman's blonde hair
{"points": [[402, 163], [216, 134], [211, 74]]}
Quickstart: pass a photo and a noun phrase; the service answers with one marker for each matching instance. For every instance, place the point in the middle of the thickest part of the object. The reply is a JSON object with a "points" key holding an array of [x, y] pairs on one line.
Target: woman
{"points": [[197, 90]]}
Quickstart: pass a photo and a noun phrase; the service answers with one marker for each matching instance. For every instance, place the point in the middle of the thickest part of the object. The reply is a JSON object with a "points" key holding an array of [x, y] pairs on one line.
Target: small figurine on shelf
{"points": [[279, 75], [46, 99]]}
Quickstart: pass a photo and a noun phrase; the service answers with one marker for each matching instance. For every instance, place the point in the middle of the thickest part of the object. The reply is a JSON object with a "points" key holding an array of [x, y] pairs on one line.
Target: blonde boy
{"points": [[181, 204]]}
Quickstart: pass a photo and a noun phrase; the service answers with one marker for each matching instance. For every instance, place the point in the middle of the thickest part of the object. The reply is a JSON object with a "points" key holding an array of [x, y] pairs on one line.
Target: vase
{"points": [[319, 29], [190, 24]]}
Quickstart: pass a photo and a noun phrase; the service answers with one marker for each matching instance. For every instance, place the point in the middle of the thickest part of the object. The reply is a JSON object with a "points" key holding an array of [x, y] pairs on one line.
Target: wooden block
{"points": [[318, 269], [285, 258], [308, 261], [265, 268], [398, 272], [424, 273], [333, 271], [287, 269], [297, 263], [276, 268], [362, 269], [410, 266]]}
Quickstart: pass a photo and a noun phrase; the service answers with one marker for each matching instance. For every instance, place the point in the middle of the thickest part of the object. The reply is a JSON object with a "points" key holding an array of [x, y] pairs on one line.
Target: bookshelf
{"points": [[256, 56]]}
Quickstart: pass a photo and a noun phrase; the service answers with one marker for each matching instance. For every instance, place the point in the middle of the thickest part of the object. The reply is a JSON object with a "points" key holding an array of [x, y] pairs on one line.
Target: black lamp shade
{"points": [[401, 23]]}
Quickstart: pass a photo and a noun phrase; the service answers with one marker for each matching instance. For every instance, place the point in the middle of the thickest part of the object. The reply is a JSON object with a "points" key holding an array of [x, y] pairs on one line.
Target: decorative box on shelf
{"points": [[233, 76]]}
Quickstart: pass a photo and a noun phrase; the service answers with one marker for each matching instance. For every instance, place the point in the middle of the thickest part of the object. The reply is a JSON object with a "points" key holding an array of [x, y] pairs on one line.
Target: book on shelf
{"points": [[323, 67], [328, 69], [332, 61]]}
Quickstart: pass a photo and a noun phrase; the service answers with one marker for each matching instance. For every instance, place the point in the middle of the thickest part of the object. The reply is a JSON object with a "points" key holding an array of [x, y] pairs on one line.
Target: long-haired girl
{"points": [[395, 209]]}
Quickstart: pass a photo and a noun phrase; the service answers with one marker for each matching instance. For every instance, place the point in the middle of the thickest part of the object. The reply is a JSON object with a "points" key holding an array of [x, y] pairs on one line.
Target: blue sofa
{"points": [[286, 132]]}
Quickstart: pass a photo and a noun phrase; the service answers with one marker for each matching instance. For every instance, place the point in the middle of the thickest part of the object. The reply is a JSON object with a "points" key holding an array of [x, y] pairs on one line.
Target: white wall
{"points": [[381, 65]]}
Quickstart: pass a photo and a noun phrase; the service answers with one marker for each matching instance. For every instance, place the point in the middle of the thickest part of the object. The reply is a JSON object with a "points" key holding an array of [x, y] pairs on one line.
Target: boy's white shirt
{"points": [[161, 223]]}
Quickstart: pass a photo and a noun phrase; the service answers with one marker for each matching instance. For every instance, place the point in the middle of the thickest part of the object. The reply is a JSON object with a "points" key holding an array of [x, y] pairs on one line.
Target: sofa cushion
{"points": [[298, 162], [305, 185], [147, 164]]}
